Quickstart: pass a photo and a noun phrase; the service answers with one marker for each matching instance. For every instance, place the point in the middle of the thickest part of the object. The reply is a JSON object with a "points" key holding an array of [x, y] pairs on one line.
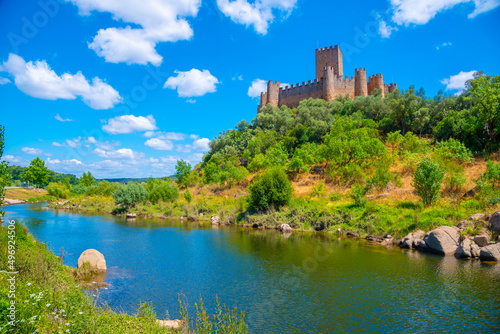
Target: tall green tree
{"points": [[182, 169], [4, 173], [37, 173], [87, 179]]}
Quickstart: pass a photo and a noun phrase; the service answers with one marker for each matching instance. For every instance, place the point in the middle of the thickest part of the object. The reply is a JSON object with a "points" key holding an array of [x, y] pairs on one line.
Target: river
{"points": [[303, 283]]}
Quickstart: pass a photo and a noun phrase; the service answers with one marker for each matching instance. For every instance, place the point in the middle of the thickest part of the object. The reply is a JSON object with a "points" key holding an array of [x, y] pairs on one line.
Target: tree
{"points": [[182, 169], [37, 173], [130, 194], [4, 173], [188, 196], [87, 179], [271, 189], [162, 190], [427, 181], [484, 91]]}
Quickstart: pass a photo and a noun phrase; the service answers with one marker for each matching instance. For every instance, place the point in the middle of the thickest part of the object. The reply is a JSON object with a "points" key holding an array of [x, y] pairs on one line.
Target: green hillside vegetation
{"points": [[371, 165]]}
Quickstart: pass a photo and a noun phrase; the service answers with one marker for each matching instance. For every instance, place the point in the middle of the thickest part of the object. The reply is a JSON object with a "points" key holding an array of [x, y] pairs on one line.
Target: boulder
{"points": [[475, 250], [352, 234], [495, 222], [192, 218], [215, 220], [482, 239], [477, 216], [387, 242], [94, 258], [420, 245], [382, 195], [443, 240], [490, 253], [464, 250], [408, 241], [131, 215], [285, 228], [177, 324]]}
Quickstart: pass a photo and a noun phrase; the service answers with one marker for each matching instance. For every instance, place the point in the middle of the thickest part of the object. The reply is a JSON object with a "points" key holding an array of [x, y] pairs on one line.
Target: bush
{"points": [[358, 194], [165, 191], [453, 150], [130, 194], [271, 189], [58, 190], [427, 180], [188, 196], [103, 188]]}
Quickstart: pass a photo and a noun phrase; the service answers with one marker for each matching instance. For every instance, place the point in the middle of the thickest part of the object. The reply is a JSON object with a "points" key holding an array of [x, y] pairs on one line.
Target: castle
{"points": [[329, 83]]}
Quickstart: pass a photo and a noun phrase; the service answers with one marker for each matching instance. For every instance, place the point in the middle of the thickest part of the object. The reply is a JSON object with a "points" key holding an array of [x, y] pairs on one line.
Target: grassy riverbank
{"points": [[27, 194], [48, 300]]}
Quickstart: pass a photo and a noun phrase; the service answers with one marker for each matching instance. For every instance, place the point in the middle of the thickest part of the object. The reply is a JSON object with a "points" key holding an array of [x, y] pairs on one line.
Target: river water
{"points": [[303, 283]]}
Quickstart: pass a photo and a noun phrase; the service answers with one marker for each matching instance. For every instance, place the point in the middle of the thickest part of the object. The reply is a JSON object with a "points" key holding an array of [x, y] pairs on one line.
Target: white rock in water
{"points": [[94, 258]]}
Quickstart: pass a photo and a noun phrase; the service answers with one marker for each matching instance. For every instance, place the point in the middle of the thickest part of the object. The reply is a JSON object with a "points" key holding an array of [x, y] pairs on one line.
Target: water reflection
{"points": [[303, 282]]}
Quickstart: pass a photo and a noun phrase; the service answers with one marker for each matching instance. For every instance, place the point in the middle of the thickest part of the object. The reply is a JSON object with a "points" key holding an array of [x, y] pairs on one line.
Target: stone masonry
{"points": [[329, 83]]}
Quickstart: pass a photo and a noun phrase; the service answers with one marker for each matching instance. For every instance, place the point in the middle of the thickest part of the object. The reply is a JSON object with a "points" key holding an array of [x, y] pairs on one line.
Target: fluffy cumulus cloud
{"points": [[154, 21], [165, 135], [258, 86], [259, 14], [39, 80], [201, 144], [4, 81], [159, 144], [15, 160], [406, 12], [457, 81], [129, 124], [192, 83], [122, 153], [34, 151], [385, 29]]}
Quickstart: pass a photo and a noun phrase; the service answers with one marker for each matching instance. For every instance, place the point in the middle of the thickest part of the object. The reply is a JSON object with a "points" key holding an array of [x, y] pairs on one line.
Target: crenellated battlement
{"points": [[329, 83]]}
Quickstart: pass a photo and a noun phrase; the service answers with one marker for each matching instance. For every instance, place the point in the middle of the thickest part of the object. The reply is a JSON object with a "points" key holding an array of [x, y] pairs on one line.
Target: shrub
{"points": [[427, 180], [358, 194], [455, 181], [271, 189], [492, 174], [319, 190], [188, 196], [165, 191], [130, 194], [452, 149], [58, 190], [258, 163], [103, 188]]}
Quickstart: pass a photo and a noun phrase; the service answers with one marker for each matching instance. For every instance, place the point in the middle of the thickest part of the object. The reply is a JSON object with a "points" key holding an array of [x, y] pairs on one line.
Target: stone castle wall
{"points": [[329, 83]]}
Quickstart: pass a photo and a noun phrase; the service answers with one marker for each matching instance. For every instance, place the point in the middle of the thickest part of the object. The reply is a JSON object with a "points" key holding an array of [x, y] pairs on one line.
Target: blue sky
{"points": [[124, 88]]}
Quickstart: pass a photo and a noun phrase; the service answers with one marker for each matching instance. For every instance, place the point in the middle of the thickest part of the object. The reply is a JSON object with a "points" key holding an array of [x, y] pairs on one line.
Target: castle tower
{"points": [[273, 93], [360, 85], [376, 81], [389, 88], [263, 101], [331, 56], [328, 85]]}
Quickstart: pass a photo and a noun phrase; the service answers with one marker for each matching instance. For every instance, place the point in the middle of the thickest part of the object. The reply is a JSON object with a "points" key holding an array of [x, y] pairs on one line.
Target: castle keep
{"points": [[329, 83]]}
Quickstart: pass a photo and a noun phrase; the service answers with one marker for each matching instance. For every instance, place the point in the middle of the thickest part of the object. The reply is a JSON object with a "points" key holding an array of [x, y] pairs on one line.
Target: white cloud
{"points": [[73, 143], [194, 137], [165, 135], [159, 144], [39, 80], [443, 45], [406, 12], [192, 83], [190, 101], [457, 81], [258, 14], [385, 30], [60, 119], [158, 21], [201, 144], [16, 160], [4, 81], [34, 151], [258, 86], [129, 123], [57, 144], [91, 140], [122, 153]]}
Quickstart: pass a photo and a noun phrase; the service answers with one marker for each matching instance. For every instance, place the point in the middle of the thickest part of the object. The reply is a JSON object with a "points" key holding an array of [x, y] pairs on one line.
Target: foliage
{"points": [[4, 173], [130, 194], [188, 196], [427, 181], [58, 190], [162, 190], [182, 170], [37, 173], [358, 194], [453, 149], [272, 189], [103, 188], [319, 190], [87, 179], [258, 163]]}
